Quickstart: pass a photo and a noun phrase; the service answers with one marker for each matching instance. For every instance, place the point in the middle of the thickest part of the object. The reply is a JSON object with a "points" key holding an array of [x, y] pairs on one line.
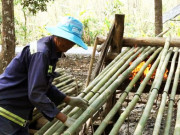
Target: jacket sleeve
{"points": [[55, 95], [38, 85]]}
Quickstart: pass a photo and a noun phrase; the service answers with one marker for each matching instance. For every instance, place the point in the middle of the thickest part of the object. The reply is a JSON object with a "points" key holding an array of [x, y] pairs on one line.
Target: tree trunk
{"points": [[8, 34], [158, 16]]}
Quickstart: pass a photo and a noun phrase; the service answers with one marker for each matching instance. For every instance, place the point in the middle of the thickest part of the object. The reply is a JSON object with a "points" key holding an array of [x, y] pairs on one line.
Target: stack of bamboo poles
{"points": [[106, 83], [66, 84]]}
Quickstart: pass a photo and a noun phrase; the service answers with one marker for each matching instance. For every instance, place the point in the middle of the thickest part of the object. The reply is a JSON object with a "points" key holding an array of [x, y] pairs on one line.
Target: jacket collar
{"points": [[54, 53]]}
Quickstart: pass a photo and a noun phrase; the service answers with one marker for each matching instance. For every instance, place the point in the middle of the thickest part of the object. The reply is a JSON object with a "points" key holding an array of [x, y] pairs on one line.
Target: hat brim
{"points": [[69, 36]]}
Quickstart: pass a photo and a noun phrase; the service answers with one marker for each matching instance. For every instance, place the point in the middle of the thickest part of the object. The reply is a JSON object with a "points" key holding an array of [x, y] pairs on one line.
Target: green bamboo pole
{"points": [[73, 90], [100, 100], [102, 82], [72, 84], [131, 105], [64, 82], [165, 50], [61, 79], [116, 107], [72, 87], [59, 70], [96, 81], [172, 98], [154, 91], [164, 95]]}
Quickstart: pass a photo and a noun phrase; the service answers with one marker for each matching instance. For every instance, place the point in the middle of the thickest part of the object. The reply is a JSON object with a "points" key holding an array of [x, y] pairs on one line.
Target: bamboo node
{"points": [[93, 92], [136, 94], [155, 89]]}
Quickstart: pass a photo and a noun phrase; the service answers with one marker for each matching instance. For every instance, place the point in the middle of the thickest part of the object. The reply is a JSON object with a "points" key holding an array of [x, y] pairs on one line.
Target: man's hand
{"points": [[77, 101], [69, 121]]}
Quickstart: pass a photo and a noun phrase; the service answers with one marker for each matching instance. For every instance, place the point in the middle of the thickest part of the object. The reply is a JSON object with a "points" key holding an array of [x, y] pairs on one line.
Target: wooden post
{"points": [[115, 48], [103, 53], [158, 16], [115, 38], [118, 33]]}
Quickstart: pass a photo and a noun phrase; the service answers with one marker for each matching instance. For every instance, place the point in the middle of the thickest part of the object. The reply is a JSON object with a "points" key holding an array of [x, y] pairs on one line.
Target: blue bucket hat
{"points": [[70, 29]]}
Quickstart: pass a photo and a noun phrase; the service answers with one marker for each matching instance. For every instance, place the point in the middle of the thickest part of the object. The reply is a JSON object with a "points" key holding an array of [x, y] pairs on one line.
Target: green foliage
{"points": [[113, 8], [96, 16], [35, 5]]}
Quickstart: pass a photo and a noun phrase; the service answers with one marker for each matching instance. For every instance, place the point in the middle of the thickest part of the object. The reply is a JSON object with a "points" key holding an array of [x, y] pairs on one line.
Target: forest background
{"points": [[96, 15]]}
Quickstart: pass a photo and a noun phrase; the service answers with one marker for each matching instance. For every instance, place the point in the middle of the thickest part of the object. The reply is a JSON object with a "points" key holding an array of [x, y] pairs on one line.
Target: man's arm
{"points": [[38, 86], [55, 95]]}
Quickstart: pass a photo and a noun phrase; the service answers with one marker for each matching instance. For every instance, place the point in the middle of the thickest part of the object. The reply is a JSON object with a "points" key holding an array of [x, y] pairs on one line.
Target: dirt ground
{"points": [[76, 65]]}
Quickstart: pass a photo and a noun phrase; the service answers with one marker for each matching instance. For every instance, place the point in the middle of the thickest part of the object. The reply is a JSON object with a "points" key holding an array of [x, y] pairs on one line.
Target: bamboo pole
{"points": [[164, 95], [153, 94], [64, 82], [172, 98], [124, 95], [164, 52], [91, 62]]}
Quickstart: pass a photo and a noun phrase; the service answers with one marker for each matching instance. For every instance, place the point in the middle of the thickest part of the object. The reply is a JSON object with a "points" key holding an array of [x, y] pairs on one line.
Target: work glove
{"points": [[77, 101], [69, 121]]}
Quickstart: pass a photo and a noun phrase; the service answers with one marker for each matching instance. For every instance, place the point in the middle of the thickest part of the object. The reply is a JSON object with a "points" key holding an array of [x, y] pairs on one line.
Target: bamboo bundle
{"points": [[104, 85], [104, 96]]}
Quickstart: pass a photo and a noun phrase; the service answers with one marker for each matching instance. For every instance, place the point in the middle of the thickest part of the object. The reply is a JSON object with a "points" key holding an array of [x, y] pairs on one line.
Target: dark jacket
{"points": [[26, 82]]}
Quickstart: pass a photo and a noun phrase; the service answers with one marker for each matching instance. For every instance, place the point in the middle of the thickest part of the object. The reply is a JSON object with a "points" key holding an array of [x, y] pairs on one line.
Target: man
{"points": [[26, 82]]}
